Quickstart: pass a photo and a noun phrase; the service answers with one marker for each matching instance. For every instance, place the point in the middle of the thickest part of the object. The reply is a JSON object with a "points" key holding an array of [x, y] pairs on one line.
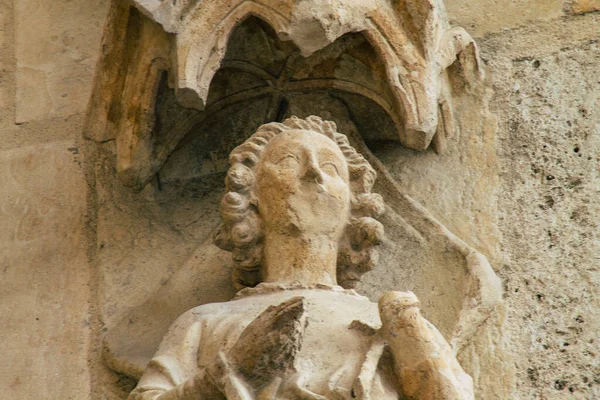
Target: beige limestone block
{"points": [[585, 6], [56, 47], [485, 16], [43, 274]]}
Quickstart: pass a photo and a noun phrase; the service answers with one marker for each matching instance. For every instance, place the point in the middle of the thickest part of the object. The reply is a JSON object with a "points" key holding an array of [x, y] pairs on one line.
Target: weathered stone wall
{"points": [[48, 51], [547, 83], [543, 63]]}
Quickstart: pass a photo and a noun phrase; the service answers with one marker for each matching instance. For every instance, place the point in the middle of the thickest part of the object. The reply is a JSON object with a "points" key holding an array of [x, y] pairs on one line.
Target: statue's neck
{"points": [[305, 260]]}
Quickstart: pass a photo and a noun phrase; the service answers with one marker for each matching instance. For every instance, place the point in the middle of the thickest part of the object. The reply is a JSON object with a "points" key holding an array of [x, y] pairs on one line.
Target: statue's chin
{"points": [[329, 219]]}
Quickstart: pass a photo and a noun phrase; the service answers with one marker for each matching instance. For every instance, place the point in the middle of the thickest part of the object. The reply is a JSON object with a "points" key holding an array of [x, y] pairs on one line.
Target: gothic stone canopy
{"points": [[412, 42]]}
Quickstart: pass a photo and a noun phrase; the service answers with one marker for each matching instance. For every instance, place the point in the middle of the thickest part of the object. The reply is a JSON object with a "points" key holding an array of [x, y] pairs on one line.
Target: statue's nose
{"points": [[312, 172]]}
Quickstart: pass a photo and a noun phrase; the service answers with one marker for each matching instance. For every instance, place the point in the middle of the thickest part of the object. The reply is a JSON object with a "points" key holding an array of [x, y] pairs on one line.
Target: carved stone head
{"points": [[300, 178], [301, 181]]}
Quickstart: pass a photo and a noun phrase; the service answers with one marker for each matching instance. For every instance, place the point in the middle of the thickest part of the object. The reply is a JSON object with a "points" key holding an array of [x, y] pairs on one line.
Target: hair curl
{"points": [[241, 232]]}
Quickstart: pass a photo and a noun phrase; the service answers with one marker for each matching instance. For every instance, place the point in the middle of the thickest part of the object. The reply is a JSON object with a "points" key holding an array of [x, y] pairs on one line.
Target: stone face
{"points": [[44, 279], [56, 47]]}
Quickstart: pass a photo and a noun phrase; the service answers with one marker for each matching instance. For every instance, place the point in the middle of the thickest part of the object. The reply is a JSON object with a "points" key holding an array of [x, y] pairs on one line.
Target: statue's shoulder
{"points": [[249, 303], [210, 312], [205, 311], [198, 314]]}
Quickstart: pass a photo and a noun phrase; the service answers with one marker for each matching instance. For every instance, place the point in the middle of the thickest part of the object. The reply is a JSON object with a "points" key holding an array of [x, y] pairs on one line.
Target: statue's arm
{"points": [[424, 364], [174, 373], [153, 386]]}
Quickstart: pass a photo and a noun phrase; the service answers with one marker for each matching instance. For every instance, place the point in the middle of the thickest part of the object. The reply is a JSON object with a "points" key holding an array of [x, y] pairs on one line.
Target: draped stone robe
{"points": [[340, 355]]}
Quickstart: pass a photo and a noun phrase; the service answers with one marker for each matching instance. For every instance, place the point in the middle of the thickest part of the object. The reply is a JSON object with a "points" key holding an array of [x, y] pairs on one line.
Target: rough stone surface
{"points": [[549, 142], [56, 47]]}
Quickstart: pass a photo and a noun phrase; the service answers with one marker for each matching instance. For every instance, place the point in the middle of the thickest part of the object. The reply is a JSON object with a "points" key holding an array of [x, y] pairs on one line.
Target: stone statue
{"points": [[299, 217]]}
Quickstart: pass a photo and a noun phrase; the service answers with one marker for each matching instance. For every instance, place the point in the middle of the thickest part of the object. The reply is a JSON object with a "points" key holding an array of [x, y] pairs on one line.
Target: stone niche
{"points": [[182, 83]]}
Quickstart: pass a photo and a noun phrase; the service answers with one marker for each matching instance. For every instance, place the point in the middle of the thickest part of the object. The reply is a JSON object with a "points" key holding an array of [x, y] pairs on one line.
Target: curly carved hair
{"points": [[241, 232]]}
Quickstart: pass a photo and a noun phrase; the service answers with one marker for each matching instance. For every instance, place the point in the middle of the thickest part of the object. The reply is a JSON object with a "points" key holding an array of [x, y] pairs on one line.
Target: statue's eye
{"points": [[330, 168], [288, 161]]}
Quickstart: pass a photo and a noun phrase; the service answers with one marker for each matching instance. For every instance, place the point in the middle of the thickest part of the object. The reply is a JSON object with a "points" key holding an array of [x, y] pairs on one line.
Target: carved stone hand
{"points": [[424, 363]]}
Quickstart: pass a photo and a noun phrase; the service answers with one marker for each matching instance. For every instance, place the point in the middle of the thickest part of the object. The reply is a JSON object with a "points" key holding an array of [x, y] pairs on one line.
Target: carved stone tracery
{"points": [[412, 44]]}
